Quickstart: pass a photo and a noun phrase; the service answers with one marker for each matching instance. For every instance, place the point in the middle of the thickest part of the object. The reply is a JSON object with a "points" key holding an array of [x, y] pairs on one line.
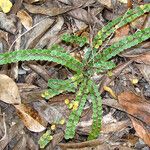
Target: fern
{"points": [[74, 39], [57, 86], [123, 44], [111, 27], [97, 110], [75, 114], [59, 57], [93, 62]]}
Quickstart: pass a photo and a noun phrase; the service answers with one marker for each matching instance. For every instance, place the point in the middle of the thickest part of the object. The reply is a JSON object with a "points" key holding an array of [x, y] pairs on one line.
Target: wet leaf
{"points": [[25, 19], [8, 90], [30, 117]]}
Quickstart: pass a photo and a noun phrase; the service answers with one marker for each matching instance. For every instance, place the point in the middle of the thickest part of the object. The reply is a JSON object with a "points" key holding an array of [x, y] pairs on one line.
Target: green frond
{"points": [[74, 117], [57, 86], [74, 39], [123, 44], [111, 27], [59, 57], [97, 110]]}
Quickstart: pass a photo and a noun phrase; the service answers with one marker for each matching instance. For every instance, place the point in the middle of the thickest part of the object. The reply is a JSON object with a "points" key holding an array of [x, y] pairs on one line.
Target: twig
{"points": [[5, 128]]}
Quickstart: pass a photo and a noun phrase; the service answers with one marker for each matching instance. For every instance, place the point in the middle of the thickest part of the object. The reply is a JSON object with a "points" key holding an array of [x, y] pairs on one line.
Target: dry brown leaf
{"points": [[139, 22], [8, 90], [30, 117], [135, 106], [33, 1], [8, 23], [145, 58], [50, 113], [141, 129], [38, 32], [25, 19], [81, 14], [51, 33], [50, 11], [107, 3], [145, 70]]}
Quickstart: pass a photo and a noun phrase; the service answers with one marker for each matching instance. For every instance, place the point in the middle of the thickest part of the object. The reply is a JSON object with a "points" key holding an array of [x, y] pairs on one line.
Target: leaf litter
{"points": [[42, 23]]}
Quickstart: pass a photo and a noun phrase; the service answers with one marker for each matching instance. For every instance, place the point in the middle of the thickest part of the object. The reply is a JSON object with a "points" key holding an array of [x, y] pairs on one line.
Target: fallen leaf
{"points": [[145, 70], [135, 106], [30, 117], [50, 113], [82, 15], [25, 19], [139, 22], [142, 130], [5, 5], [50, 11], [8, 23], [51, 33], [107, 3], [8, 90], [38, 32], [33, 1], [144, 58]]}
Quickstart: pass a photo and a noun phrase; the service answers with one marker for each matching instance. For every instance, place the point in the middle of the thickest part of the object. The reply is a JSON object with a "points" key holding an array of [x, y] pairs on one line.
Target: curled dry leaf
{"points": [[8, 90], [135, 106], [25, 19], [142, 130], [30, 117]]}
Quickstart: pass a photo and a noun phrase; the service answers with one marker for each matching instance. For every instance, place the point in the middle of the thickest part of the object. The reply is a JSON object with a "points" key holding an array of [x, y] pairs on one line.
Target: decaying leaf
{"points": [[30, 117], [51, 33], [33, 1], [8, 90], [50, 113], [135, 106], [145, 70], [144, 58], [142, 130], [53, 11], [38, 32], [8, 23], [25, 19]]}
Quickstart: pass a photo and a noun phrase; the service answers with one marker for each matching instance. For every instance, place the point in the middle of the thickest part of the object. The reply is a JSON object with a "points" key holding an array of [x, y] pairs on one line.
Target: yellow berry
{"points": [[53, 127], [70, 106], [110, 91], [75, 105], [67, 101], [134, 81], [110, 73], [62, 121]]}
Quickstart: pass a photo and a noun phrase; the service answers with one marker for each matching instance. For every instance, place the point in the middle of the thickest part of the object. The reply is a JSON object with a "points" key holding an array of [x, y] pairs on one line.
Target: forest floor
{"points": [[38, 24]]}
